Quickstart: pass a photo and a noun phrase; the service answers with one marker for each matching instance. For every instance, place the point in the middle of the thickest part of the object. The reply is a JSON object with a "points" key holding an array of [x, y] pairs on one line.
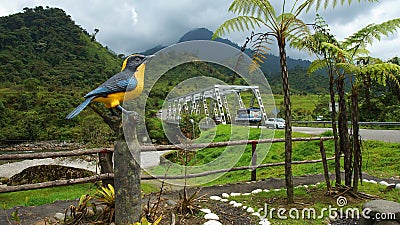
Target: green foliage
{"points": [[47, 64], [106, 197]]}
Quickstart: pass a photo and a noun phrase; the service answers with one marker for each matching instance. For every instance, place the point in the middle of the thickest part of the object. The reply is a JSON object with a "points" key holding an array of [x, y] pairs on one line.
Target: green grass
{"points": [[45, 195], [306, 102], [50, 195], [379, 158]]}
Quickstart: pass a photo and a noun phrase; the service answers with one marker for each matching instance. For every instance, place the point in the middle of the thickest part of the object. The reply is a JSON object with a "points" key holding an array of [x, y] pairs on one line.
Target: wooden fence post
{"points": [[253, 160], [127, 176], [106, 166], [325, 164]]}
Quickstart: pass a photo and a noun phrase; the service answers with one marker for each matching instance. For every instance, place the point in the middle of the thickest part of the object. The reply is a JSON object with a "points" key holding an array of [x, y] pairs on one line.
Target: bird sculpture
{"points": [[125, 85]]}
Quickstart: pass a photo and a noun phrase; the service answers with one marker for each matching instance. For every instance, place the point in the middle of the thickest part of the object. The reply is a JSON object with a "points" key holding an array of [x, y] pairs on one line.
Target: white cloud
{"points": [[134, 16]]}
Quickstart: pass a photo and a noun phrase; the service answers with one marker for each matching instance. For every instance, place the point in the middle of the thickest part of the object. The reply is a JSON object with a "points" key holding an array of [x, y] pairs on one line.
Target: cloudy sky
{"points": [[128, 26]]}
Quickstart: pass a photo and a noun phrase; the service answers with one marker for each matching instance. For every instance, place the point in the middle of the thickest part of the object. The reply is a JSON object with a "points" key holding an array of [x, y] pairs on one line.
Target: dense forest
{"points": [[47, 64]]}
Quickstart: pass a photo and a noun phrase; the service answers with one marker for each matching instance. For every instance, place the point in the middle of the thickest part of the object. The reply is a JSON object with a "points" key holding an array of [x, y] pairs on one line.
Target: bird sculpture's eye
{"points": [[137, 60]]}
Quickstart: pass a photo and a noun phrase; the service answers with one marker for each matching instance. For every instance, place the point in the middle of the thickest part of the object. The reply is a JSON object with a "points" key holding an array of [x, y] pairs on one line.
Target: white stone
{"points": [[225, 195], [250, 210], [256, 214], [245, 194], [266, 190], [244, 207], [211, 216], [212, 222], [306, 186], [216, 198], [256, 191], [313, 185], [224, 200], [237, 204], [384, 183], [277, 189], [373, 182], [397, 186], [233, 194], [206, 211], [264, 222], [365, 180], [59, 216]]}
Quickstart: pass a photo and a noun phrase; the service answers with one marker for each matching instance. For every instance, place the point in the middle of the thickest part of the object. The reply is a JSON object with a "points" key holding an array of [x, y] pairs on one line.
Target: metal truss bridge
{"points": [[214, 98]]}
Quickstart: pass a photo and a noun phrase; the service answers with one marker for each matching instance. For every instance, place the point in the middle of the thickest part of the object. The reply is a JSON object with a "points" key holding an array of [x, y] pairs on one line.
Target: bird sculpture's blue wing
{"points": [[121, 82]]}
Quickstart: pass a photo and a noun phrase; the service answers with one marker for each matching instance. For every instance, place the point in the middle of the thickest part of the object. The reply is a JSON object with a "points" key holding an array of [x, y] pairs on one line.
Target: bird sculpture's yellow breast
{"points": [[115, 99]]}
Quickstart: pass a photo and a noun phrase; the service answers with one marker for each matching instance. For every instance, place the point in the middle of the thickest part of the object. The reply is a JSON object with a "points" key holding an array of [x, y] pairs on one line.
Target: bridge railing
{"points": [[349, 122], [106, 174]]}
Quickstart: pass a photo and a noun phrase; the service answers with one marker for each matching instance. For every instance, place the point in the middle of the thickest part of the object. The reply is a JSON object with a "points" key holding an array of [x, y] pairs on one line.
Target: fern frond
{"points": [[318, 3], [239, 23], [254, 8], [349, 68], [334, 50], [372, 32], [316, 65], [381, 72]]}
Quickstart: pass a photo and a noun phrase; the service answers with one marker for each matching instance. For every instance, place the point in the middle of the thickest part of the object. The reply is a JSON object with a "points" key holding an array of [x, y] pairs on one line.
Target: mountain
{"points": [[300, 80], [270, 66]]}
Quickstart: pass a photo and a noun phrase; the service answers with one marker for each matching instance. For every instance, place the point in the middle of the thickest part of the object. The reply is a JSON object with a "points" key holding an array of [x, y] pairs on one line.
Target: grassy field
{"points": [[49, 195], [379, 158]]}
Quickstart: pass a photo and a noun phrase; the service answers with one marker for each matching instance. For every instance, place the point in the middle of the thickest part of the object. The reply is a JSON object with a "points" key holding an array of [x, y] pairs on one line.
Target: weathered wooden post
{"points": [[127, 175], [253, 160], [106, 166], [325, 164]]}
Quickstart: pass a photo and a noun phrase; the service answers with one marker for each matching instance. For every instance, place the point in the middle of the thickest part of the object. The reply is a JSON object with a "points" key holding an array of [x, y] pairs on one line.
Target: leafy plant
{"points": [[106, 197], [80, 213], [144, 221], [189, 204]]}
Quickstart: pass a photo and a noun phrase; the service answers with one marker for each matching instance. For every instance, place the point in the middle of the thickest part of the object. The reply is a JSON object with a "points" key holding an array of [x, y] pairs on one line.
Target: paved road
{"points": [[366, 134]]}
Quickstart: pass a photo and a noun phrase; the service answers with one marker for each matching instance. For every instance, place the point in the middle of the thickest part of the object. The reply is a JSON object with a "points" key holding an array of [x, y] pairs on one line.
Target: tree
{"points": [[325, 60], [372, 69], [281, 27], [350, 57]]}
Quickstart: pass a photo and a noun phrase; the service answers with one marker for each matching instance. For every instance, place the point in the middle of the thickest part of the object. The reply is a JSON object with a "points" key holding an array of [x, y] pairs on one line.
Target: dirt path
{"points": [[29, 215]]}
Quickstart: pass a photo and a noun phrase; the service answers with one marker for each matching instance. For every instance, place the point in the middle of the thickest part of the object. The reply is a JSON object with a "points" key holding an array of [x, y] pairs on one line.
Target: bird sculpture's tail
{"points": [[79, 109]]}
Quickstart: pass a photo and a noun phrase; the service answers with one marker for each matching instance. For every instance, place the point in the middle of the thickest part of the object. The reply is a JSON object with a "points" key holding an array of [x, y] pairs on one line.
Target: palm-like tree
{"points": [[325, 60], [374, 70], [351, 57], [261, 14]]}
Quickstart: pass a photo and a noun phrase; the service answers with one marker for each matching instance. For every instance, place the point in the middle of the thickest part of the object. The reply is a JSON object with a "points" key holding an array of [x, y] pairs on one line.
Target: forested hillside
{"points": [[47, 63]]}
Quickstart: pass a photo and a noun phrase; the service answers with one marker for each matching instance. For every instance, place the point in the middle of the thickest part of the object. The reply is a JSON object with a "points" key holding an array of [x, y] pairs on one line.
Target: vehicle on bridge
{"points": [[249, 115], [277, 123]]}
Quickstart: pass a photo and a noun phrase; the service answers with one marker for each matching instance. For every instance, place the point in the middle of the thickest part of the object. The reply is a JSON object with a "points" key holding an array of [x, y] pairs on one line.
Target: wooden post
{"points": [[325, 164], [253, 160], [106, 166], [127, 176]]}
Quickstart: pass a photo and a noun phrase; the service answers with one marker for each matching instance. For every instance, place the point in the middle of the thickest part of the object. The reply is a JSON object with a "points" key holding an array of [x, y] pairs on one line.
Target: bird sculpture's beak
{"points": [[148, 57]]}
